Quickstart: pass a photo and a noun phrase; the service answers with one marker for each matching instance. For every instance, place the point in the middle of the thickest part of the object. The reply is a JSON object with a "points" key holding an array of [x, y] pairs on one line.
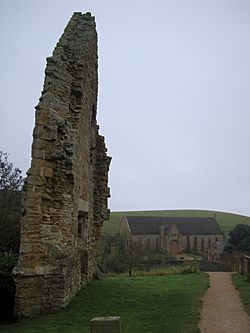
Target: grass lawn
{"points": [[148, 304], [227, 221], [243, 286]]}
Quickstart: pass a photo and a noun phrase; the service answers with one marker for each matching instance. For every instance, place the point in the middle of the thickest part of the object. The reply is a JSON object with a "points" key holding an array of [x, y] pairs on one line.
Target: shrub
{"points": [[239, 232], [7, 286]]}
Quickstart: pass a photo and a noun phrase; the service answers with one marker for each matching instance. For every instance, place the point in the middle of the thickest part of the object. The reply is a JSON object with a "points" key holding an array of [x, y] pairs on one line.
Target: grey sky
{"points": [[174, 95]]}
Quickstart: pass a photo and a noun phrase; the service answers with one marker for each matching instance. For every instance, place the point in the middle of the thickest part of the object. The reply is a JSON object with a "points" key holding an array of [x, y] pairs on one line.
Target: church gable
{"points": [[174, 231]]}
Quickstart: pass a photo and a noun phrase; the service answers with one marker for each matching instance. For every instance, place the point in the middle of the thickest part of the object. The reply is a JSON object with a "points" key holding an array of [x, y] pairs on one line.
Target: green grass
{"points": [[146, 304], [227, 221], [243, 286]]}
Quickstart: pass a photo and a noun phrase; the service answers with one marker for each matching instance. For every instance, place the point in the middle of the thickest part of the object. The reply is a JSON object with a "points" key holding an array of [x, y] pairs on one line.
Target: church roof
{"points": [[186, 225]]}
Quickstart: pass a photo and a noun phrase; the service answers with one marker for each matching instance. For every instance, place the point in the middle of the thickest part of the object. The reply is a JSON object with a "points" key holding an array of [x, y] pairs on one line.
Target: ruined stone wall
{"points": [[67, 185]]}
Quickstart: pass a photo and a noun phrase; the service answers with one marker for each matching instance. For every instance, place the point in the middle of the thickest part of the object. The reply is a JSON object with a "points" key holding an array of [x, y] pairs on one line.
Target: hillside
{"points": [[226, 220]]}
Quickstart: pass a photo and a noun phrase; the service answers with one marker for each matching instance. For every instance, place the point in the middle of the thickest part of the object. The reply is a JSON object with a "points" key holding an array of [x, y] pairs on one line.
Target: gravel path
{"points": [[222, 310]]}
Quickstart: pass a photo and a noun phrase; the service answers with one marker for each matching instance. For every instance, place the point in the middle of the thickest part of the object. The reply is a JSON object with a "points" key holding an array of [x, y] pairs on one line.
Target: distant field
{"points": [[226, 220]]}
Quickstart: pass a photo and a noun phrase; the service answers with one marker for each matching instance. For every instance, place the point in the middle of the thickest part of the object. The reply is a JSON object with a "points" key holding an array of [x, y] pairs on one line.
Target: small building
{"points": [[215, 251], [174, 235]]}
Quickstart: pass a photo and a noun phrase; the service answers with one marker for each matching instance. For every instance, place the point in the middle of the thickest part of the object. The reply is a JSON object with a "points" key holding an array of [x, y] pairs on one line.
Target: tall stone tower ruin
{"points": [[67, 185]]}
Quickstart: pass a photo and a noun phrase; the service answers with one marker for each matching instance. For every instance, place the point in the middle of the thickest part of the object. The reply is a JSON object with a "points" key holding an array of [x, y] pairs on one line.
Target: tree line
{"points": [[11, 186]]}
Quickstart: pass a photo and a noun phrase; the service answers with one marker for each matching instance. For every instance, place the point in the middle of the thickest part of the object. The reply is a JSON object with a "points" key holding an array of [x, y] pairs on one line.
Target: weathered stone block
{"points": [[105, 325]]}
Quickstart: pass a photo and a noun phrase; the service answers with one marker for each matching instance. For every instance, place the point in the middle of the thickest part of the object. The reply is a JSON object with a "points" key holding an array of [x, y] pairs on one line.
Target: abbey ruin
{"points": [[66, 188]]}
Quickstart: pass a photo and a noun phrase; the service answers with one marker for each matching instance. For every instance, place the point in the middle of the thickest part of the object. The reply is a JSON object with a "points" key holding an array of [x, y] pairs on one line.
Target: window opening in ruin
{"points": [[82, 222], [93, 114], [79, 230], [216, 239]]}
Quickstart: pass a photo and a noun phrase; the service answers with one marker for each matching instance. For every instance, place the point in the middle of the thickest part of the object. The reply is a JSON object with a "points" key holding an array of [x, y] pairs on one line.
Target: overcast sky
{"points": [[174, 95]]}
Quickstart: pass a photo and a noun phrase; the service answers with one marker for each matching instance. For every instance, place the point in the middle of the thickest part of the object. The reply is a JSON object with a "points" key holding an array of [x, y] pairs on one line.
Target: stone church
{"points": [[175, 235]]}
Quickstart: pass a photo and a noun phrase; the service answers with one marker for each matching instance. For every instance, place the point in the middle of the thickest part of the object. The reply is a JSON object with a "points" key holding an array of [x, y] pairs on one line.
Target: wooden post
{"points": [[105, 325], [247, 260], [234, 264], [195, 264], [248, 270], [241, 266], [130, 269], [238, 264]]}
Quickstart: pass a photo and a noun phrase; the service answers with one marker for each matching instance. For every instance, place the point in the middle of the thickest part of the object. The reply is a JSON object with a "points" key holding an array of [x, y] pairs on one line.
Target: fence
{"points": [[215, 266], [241, 264], [187, 265]]}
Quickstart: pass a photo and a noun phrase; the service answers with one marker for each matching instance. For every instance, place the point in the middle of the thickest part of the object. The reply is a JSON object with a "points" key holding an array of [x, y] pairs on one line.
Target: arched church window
{"points": [[195, 243], [202, 244]]}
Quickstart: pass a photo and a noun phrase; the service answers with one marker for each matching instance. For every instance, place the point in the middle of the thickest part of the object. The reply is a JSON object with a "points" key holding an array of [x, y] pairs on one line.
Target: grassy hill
{"points": [[227, 221]]}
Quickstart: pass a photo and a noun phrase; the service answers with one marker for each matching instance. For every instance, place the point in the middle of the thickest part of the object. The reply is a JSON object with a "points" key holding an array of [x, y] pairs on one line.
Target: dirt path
{"points": [[222, 310]]}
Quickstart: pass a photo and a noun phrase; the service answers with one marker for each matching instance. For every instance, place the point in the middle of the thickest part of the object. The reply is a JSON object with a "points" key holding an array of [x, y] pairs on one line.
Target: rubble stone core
{"points": [[66, 189]]}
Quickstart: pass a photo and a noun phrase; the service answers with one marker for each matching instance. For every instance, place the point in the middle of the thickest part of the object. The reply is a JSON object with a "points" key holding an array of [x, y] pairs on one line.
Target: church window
{"points": [[188, 243], [202, 244], [195, 243], [157, 245]]}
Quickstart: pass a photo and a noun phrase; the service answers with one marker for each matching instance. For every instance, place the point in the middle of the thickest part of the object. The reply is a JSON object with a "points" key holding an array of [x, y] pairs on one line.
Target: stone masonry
{"points": [[66, 188]]}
